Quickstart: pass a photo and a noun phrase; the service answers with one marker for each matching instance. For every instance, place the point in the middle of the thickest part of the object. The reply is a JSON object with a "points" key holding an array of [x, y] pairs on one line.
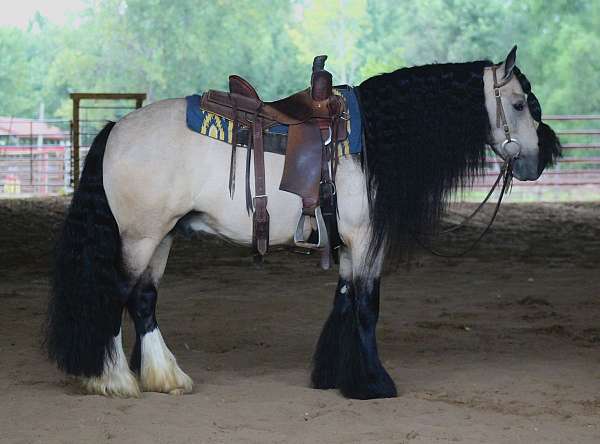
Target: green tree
{"points": [[564, 48], [334, 28], [15, 81], [171, 49]]}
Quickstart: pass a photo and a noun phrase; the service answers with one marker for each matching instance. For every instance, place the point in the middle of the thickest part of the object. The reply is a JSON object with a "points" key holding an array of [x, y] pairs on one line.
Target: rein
{"points": [[505, 174], [479, 207]]}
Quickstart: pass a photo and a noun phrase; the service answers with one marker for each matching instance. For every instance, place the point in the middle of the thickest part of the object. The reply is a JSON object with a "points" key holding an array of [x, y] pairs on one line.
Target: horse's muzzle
{"points": [[525, 168]]}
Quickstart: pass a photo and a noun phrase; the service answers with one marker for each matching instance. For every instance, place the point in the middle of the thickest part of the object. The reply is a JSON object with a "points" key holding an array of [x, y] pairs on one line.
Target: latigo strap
{"points": [[260, 219]]}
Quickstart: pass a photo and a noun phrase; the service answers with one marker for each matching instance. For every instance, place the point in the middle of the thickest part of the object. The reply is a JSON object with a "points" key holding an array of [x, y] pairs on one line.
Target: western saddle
{"points": [[316, 120]]}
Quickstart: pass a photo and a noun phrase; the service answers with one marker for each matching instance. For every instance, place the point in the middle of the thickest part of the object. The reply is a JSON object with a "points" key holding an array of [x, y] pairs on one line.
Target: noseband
{"points": [[500, 115]]}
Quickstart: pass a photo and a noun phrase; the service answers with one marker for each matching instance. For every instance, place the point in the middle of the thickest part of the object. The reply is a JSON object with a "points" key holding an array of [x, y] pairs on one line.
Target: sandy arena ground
{"points": [[502, 346]]}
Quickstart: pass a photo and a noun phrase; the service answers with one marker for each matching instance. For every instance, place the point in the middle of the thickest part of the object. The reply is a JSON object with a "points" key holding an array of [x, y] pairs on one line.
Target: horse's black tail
{"points": [[84, 312]]}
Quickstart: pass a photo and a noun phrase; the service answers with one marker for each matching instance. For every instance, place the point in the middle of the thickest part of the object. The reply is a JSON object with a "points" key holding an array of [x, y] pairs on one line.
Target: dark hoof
{"points": [[383, 387]]}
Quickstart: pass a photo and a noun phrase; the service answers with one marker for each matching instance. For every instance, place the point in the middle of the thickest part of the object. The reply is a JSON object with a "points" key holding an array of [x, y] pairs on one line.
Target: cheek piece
{"points": [[510, 146]]}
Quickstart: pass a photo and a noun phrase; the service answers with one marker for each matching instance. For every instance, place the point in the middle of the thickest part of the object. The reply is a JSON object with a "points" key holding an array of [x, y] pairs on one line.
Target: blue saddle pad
{"points": [[218, 127]]}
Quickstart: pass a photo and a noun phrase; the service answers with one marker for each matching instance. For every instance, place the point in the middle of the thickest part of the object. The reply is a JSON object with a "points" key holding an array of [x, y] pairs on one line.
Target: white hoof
{"points": [[117, 379], [160, 372]]}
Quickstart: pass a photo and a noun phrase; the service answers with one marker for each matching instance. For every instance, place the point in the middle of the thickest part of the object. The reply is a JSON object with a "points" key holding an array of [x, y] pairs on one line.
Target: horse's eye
{"points": [[519, 106]]}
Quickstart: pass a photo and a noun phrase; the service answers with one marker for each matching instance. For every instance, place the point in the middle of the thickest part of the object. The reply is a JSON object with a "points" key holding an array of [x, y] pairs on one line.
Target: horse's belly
{"points": [[228, 217]]}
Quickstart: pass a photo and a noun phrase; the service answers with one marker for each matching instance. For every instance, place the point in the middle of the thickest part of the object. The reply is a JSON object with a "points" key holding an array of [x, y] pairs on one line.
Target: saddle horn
{"points": [[321, 81], [319, 63]]}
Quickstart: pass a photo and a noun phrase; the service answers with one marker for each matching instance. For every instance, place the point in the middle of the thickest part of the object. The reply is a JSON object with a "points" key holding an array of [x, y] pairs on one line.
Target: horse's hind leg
{"points": [[151, 358], [116, 378]]}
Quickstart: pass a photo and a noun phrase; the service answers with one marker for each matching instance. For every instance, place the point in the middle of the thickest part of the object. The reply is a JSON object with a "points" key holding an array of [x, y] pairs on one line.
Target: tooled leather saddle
{"points": [[316, 119]]}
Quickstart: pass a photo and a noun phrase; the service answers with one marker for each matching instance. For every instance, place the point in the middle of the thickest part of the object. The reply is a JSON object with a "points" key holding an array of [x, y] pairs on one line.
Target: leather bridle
{"points": [[501, 121]]}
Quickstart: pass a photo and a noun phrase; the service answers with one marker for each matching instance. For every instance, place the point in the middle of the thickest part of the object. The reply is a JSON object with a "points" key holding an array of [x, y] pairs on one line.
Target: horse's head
{"points": [[515, 114]]}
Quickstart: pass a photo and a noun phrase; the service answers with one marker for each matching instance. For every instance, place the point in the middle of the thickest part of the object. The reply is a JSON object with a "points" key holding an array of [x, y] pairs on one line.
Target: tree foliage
{"points": [[15, 87], [171, 49]]}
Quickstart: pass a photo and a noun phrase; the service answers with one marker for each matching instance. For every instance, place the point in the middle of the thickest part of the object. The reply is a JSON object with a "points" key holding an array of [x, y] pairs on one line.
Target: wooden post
{"points": [[77, 97], [75, 142]]}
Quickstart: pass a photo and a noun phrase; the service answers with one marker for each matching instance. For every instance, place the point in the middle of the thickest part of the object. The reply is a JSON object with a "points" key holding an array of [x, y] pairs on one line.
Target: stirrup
{"points": [[322, 237]]}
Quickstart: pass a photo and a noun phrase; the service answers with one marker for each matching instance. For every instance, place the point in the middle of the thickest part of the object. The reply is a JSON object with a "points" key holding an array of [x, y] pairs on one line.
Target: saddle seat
{"points": [[315, 120], [291, 110]]}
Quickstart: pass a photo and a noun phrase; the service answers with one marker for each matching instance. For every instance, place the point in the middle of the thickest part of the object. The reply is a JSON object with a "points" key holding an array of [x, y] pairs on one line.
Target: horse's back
{"points": [[159, 124]]}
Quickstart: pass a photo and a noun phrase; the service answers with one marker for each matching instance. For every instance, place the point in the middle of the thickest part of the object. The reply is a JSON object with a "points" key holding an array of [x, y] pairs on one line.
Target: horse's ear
{"points": [[510, 62]]}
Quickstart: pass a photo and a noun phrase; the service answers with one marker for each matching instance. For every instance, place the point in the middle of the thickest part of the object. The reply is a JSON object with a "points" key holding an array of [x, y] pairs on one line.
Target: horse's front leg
{"points": [[346, 356], [326, 360], [361, 374]]}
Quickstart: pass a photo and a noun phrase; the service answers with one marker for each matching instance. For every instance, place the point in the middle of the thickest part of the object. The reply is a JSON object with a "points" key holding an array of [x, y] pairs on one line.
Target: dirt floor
{"points": [[502, 346]]}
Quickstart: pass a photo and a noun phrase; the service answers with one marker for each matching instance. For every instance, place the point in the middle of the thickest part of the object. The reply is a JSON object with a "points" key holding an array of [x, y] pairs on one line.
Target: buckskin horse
{"points": [[425, 131]]}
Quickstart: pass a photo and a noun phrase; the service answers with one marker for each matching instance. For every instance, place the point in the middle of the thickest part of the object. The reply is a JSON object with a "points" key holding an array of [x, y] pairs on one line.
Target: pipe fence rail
{"points": [[45, 156], [38, 158], [34, 157], [575, 177]]}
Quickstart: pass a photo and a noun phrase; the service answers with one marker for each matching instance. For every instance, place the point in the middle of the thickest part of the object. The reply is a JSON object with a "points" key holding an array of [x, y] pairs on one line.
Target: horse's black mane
{"points": [[426, 129]]}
